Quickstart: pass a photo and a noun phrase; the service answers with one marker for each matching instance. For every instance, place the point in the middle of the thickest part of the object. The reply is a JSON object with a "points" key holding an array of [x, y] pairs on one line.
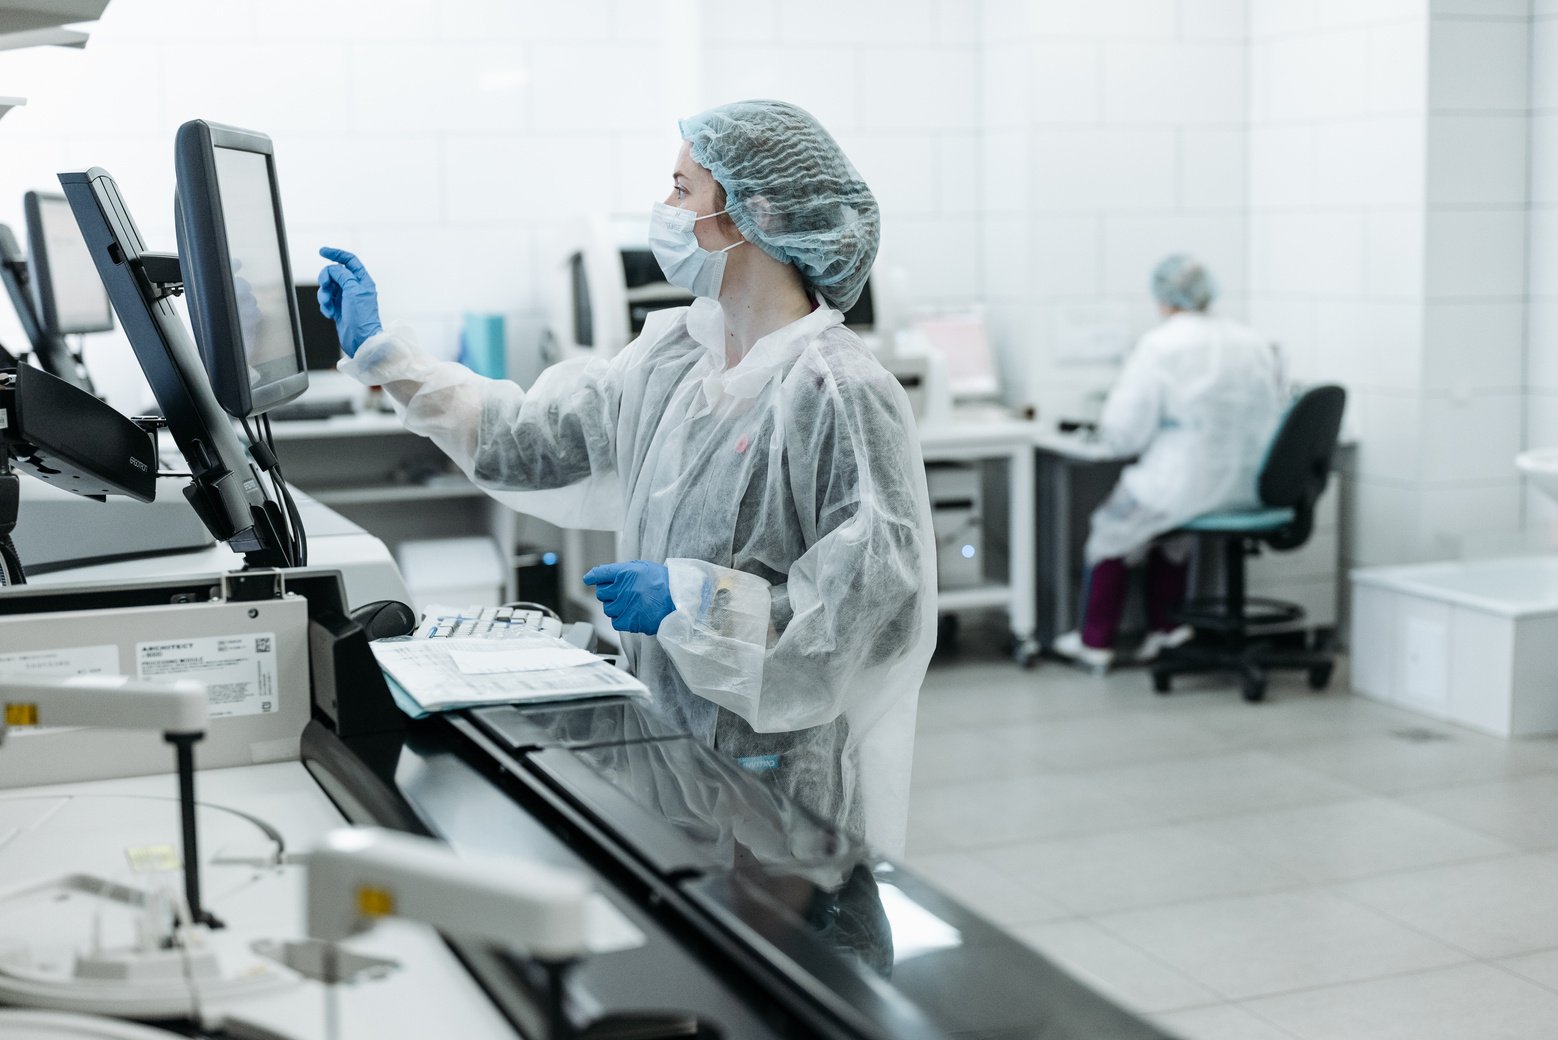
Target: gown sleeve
{"points": [[550, 451]]}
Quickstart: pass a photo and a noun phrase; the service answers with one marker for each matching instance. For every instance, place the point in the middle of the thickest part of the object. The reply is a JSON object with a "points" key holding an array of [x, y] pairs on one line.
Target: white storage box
{"points": [[457, 572], [1474, 642]]}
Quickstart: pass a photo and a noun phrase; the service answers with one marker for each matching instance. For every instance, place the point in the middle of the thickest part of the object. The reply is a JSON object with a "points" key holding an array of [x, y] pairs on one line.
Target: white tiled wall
{"points": [[444, 141], [1115, 133], [1388, 185], [1338, 96], [1476, 241], [1541, 359], [1366, 178]]}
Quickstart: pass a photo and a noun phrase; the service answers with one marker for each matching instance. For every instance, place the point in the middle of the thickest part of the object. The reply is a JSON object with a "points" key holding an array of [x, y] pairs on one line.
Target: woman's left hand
{"points": [[636, 594]]}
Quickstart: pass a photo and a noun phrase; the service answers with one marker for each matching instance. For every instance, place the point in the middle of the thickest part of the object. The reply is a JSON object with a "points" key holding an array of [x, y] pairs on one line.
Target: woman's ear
{"points": [[761, 210]]}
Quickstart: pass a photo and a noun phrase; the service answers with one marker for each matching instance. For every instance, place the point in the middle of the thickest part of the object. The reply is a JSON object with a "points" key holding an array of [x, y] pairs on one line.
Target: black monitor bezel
{"points": [[39, 266], [204, 260], [225, 486]]}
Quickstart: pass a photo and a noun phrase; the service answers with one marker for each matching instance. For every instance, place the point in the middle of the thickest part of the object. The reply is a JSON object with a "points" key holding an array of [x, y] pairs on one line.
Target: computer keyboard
{"points": [[326, 408], [483, 623]]}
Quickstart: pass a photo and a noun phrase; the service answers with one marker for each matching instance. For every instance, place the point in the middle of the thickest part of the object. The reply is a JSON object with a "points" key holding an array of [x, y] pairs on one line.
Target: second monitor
{"points": [[233, 251], [66, 290]]}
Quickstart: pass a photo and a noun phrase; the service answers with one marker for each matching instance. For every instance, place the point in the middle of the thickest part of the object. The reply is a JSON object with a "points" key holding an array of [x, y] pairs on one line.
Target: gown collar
{"points": [[706, 325]]}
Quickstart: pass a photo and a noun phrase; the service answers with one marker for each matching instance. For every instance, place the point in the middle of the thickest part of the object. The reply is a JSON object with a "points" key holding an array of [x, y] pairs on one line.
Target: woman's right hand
{"points": [[348, 297]]}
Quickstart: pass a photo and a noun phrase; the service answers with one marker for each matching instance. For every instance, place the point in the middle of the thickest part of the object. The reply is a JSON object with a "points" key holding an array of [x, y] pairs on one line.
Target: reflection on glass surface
{"points": [[724, 810], [613, 720], [916, 931], [254, 246]]}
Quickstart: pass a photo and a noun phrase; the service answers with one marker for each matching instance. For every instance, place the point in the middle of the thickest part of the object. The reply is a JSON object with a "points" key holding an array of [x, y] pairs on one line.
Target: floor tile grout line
{"points": [[1233, 1004]]}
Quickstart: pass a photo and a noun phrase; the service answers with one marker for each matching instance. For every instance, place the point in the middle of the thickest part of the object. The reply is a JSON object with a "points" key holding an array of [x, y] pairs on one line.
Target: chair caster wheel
{"points": [[1027, 653], [1161, 682], [1320, 676], [1254, 690]]}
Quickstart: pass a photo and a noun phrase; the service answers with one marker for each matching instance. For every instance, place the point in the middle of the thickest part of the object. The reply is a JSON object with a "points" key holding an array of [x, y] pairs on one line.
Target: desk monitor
{"points": [[963, 341], [49, 351], [65, 287], [862, 316], [321, 345], [233, 252], [225, 487]]}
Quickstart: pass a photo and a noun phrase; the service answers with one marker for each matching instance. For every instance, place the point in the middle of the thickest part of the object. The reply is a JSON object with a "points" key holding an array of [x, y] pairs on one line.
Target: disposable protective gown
{"points": [[1199, 401], [786, 496]]}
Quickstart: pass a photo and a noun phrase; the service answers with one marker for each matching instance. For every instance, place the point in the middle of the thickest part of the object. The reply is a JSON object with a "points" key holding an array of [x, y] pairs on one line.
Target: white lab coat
{"points": [[786, 496], [1198, 401]]}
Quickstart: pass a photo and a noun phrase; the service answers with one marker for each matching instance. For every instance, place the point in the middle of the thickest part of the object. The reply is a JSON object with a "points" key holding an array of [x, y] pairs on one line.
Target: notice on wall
{"points": [[239, 671]]}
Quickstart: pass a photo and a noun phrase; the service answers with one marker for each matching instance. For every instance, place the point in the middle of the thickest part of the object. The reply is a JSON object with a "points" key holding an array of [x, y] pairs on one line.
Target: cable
{"points": [[266, 460], [301, 557], [11, 572]]}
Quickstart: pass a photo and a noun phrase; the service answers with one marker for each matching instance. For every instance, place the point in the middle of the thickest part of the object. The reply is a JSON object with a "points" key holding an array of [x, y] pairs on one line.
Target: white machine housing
{"points": [[115, 701], [125, 641], [957, 516], [358, 875]]}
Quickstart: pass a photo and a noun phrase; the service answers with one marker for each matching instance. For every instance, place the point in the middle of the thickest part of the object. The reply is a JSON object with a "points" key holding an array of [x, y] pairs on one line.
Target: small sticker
{"points": [[758, 763], [742, 443], [239, 671], [149, 859]]}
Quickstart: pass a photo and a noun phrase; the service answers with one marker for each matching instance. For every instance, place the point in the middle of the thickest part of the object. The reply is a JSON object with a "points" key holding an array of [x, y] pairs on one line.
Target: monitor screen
{"points": [[321, 344], [233, 257], [254, 251], [66, 288], [862, 316]]}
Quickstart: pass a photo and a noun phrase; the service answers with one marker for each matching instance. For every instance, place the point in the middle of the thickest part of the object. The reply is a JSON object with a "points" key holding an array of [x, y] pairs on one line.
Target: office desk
{"points": [[978, 435], [1074, 475]]}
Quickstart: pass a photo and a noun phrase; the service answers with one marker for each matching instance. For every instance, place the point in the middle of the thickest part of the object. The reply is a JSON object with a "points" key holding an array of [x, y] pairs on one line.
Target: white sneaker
{"points": [[1069, 645], [1157, 642]]}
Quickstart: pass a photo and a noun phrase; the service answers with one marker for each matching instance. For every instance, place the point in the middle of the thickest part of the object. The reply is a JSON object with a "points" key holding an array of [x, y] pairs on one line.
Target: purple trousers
{"points": [[1104, 591]]}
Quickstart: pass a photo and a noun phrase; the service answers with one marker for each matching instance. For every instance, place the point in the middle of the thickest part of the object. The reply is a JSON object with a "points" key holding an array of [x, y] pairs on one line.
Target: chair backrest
{"points": [[1298, 463]]}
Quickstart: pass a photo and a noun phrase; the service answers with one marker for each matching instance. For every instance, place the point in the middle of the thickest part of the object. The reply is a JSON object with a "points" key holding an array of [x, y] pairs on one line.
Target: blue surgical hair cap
{"points": [[1182, 282], [791, 191]]}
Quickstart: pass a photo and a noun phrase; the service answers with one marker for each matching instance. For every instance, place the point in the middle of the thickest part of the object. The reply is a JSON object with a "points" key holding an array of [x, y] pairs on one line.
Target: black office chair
{"points": [[1228, 629]]}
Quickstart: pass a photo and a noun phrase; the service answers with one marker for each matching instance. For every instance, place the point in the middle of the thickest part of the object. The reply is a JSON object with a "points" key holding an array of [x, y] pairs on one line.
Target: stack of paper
{"points": [[445, 674]]}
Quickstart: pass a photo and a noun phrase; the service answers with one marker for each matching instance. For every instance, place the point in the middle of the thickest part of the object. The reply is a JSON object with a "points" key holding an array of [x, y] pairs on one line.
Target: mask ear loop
{"points": [[706, 216]]}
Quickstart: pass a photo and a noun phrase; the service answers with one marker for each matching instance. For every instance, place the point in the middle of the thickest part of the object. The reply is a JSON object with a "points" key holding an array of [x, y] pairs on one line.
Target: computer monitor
{"points": [[321, 344], [226, 488], [49, 351], [65, 287], [233, 252], [862, 316]]}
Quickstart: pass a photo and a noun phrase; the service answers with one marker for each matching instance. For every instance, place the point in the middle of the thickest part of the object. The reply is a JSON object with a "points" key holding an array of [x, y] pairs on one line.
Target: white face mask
{"points": [[686, 264]]}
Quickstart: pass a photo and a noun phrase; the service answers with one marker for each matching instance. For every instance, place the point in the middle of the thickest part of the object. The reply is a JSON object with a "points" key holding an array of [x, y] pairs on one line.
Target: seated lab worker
{"points": [[1197, 403], [776, 591]]}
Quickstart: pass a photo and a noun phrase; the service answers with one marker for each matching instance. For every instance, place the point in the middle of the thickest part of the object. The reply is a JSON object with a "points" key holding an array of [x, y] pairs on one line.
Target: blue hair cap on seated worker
{"points": [[1182, 282], [791, 192]]}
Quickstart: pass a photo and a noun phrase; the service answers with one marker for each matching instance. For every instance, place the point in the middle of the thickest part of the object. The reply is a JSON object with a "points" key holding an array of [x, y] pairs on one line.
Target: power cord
{"points": [[262, 450], [301, 556], [11, 572]]}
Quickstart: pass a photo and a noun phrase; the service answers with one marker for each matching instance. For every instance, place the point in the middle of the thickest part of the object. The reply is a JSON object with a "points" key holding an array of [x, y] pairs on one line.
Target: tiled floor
{"points": [[1318, 867]]}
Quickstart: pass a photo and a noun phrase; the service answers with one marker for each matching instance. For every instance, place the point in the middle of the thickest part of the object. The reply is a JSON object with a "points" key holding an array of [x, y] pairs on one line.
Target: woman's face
{"points": [[694, 188]]}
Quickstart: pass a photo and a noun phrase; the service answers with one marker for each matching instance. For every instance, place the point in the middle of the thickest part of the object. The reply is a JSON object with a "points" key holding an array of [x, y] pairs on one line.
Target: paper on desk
{"points": [[493, 659], [424, 669]]}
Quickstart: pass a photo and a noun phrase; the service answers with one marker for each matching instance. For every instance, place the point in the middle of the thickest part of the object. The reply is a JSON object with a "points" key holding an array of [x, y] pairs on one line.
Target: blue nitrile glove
{"points": [[348, 297], [636, 594]]}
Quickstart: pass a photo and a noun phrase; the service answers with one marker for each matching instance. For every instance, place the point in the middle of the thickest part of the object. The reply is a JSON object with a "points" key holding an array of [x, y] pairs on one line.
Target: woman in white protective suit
{"points": [[1198, 401], [777, 589]]}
